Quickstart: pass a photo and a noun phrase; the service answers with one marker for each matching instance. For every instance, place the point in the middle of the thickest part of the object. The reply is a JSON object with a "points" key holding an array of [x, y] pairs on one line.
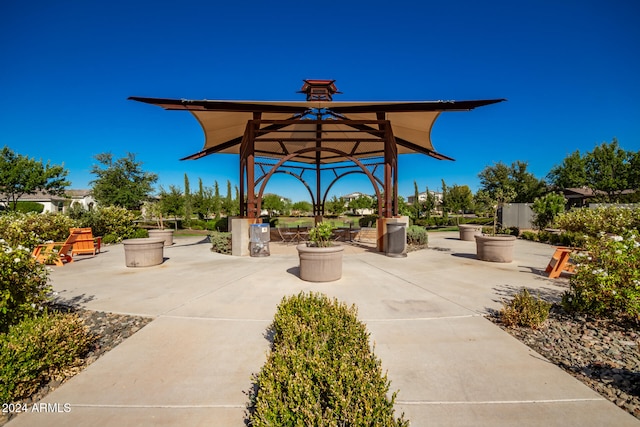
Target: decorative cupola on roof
{"points": [[319, 90]]}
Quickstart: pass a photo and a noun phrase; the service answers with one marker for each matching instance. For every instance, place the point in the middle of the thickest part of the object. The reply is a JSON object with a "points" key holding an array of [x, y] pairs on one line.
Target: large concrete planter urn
{"points": [[320, 264], [164, 234], [469, 231], [143, 252], [498, 248]]}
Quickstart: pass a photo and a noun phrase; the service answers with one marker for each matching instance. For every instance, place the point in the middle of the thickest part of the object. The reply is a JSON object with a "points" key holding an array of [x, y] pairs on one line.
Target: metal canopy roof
{"points": [[355, 128]]}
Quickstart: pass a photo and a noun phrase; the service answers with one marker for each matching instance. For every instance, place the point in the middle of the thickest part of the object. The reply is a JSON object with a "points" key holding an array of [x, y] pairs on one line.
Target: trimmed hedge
{"points": [[321, 370]]}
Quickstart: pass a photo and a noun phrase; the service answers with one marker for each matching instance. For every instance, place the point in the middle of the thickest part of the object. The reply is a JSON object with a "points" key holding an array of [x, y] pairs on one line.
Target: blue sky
{"points": [[569, 70]]}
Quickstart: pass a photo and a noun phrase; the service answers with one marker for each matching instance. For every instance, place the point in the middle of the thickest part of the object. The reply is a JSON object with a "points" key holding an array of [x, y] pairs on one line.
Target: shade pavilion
{"points": [[317, 141]]}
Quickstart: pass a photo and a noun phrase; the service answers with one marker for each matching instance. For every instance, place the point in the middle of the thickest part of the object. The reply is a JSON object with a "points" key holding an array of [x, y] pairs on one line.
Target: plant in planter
{"points": [[320, 235], [496, 247], [154, 210], [320, 259]]}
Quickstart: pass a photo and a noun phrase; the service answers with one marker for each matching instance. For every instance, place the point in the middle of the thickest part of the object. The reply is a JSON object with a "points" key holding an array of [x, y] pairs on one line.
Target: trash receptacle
{"points": [[259, 240], [396, 239]]}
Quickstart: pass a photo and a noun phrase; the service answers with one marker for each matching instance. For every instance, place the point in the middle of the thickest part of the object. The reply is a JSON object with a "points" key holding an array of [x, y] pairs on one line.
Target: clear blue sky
{"points": [[569, 69]]}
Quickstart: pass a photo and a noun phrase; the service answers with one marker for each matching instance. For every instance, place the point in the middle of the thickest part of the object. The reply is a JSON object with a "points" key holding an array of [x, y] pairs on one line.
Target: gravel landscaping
{"points": [[601, 354]]}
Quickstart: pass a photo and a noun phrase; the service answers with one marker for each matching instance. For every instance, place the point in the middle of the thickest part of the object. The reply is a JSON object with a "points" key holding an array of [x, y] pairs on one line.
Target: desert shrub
{"points": [[525, 310], [220, 242], [417, 235], [39, 349], [26, 207], [321, 370], [31, 229], [606, 282], [23, 284], [592, 222], [546, 208]]}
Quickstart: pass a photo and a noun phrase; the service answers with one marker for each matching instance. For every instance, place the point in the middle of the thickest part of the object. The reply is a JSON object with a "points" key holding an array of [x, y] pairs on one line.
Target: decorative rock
{"points": [[601, 354]]}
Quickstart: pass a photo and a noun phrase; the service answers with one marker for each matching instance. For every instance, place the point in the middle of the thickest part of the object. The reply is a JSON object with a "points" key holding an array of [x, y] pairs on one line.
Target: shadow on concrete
{"points": [[467, 256], [295, 271], [75, 302], [505, 292], [204, 241]]}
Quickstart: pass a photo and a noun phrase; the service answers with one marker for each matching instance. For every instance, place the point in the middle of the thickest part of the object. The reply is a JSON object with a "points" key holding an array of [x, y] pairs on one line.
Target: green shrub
{"points": [[546, 208], [23, 285], [39, 349], [417, 236], [31, 229], [529, 235], [108, 239], [592, 222], [26, 207], [321, 370], [525, 310], [113, 223], [606, 282], [220, 242], [140, 233]]}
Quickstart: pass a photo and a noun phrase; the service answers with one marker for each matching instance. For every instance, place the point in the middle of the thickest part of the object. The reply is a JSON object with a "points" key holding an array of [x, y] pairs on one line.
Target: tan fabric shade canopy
{"points": [[287, 127]]}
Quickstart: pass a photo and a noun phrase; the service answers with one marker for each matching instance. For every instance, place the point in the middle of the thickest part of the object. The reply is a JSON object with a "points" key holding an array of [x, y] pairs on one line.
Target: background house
{"points": [[53, 203]]}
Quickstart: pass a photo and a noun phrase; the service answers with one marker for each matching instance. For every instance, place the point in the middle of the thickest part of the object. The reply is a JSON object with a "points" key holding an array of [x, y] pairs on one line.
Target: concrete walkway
{"points": [[192, 365]]}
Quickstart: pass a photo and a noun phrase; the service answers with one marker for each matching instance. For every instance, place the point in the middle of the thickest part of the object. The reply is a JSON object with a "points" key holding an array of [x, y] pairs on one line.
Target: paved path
{"points": [[192, 364]]}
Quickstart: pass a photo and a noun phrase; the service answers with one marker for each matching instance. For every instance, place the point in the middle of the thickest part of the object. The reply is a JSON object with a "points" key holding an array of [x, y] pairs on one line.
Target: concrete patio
{"points": [[193, 364]]}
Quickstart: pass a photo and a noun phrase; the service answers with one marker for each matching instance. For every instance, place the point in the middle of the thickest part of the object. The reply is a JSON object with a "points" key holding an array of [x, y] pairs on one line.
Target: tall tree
{"points": [[273, 203], [570, 173], [217, 201], [335, 206], [429, 203], [460, 198], [172, 202], [20, 175], [526, 186], [121, 182], [301, 207], [188, 200], [445, 201], [607, 169], [494, 177], [416, 208], [202, 201], [360, 203], [634, 176], [227, 203], [514, 178]]}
